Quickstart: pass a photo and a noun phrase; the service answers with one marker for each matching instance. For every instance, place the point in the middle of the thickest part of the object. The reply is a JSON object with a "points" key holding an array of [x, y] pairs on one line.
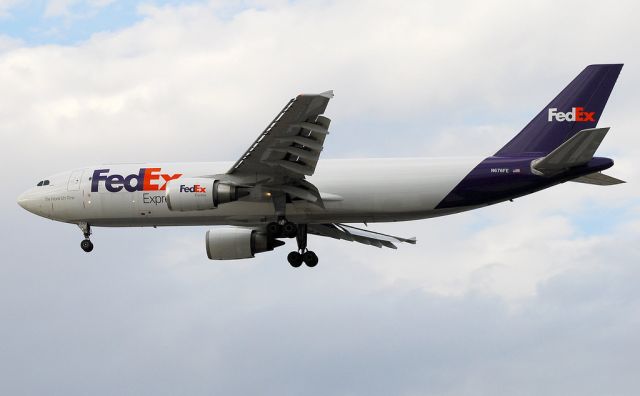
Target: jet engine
{"points": [[232, 243], [201, 193]]}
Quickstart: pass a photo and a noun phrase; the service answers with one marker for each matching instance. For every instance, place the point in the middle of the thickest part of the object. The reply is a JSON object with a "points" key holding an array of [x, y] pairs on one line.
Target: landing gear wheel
{"points": [[86, 245], [290, 230], [274, 229], [295, 259], [310, 258]]}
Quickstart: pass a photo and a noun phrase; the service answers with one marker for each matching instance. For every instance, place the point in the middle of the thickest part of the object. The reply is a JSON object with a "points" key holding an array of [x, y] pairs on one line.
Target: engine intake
{"points": [[232, 243], [201, 193]]}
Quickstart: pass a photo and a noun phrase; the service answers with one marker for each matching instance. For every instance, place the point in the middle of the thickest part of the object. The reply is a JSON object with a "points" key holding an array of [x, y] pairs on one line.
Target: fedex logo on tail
{"points": [[147, 179], [576, 114], [196, 188]]}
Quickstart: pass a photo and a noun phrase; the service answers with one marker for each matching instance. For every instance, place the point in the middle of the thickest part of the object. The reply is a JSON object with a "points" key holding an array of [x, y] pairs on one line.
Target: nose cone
{"points": [[22, 200], [32, 203], [25, 202]]}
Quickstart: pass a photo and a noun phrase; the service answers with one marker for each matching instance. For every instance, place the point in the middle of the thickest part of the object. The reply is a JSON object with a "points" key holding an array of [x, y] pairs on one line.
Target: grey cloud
{"points": [[103, 325]]}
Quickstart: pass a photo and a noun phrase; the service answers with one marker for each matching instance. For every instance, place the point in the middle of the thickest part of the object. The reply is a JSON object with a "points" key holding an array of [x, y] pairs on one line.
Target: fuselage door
{"points": [[74, 180]]}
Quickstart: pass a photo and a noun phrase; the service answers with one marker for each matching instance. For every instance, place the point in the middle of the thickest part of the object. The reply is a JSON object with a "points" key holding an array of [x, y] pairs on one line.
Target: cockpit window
{"points": [[40, 183], [45, 183]]}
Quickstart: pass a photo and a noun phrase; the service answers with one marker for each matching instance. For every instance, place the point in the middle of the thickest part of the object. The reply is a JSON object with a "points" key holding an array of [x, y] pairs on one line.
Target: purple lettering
{"points": [[114, 183], [97, 177], [139, 178]]}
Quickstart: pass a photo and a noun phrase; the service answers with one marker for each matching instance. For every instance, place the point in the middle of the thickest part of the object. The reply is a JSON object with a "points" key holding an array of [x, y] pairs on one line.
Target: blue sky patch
{"points": [[29, 22]]}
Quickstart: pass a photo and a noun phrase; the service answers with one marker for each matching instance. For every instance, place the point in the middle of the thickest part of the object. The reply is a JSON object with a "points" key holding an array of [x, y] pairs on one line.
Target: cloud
{"points": [[7, 5], [8, 43], [65, 8], [535, 296], [183, 67], [152, 323]]}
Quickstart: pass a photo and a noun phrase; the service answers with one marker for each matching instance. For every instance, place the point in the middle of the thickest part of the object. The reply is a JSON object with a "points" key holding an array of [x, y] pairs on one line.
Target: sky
{"points": [[538, 296]]}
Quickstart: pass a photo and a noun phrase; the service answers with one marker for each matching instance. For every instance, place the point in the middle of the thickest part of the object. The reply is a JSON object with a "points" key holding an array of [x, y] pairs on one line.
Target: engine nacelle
{"points": [[201, 193], [231, 243]]}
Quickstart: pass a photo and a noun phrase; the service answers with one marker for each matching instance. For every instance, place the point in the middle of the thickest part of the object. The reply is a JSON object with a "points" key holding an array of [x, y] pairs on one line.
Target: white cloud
{"points": [[8, 43]]}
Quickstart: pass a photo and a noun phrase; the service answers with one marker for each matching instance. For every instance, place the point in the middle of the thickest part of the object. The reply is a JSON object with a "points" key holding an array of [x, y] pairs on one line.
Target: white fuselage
{"points": [[360, 190]]}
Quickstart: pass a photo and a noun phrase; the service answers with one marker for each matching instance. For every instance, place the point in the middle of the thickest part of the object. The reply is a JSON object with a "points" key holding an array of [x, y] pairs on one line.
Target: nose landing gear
{"points": [[86, 244]]}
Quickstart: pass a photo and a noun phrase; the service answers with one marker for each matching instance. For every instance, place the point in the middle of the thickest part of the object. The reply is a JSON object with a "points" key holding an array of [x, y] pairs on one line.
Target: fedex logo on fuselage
{"points": [[147, 179], [196, 188], [576, 114]]}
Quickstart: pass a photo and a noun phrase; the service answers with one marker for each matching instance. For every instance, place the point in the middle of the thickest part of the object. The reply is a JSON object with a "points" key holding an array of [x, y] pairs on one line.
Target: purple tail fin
{"points": [[577, 107]]}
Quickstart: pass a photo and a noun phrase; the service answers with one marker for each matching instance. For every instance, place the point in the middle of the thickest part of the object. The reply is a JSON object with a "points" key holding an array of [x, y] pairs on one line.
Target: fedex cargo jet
{"points": [[280, 189]]}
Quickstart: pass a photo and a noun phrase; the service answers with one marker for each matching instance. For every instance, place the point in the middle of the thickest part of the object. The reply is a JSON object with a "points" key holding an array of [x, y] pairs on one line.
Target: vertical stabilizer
{"points": [[579, 106]]}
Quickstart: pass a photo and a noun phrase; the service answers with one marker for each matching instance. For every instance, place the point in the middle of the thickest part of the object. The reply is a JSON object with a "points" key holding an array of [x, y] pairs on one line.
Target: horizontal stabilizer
{"points": [[599, 179], [578, 150]]}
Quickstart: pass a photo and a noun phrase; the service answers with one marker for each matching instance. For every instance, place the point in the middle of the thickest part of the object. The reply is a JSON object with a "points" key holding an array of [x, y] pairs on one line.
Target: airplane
{"points": [[279, 189]]}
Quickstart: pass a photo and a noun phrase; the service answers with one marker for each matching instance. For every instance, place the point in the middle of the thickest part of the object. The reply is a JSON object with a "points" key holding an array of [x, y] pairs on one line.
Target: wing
{"points": [[290, 146], [354, 234]]}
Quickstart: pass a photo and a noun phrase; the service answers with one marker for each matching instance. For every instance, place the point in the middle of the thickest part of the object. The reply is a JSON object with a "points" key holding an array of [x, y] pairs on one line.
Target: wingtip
{"points": [[328, 94], [606, 65]]}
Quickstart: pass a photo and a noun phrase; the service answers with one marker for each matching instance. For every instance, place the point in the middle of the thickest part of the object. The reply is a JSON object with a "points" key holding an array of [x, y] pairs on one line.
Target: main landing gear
{"points": [[308, 257], [86, 244], [287, 229], [282, 229], [296, 258]]}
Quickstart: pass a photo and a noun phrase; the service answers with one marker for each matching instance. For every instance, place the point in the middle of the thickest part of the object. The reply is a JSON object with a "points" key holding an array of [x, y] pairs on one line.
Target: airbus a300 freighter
{"points": [[279, 189]]}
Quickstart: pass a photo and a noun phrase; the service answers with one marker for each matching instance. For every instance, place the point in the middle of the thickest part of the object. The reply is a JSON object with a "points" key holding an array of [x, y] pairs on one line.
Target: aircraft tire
{"points": [[290, 230], [310, 258], [274, 229], [295, 259], [86, 245]]}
